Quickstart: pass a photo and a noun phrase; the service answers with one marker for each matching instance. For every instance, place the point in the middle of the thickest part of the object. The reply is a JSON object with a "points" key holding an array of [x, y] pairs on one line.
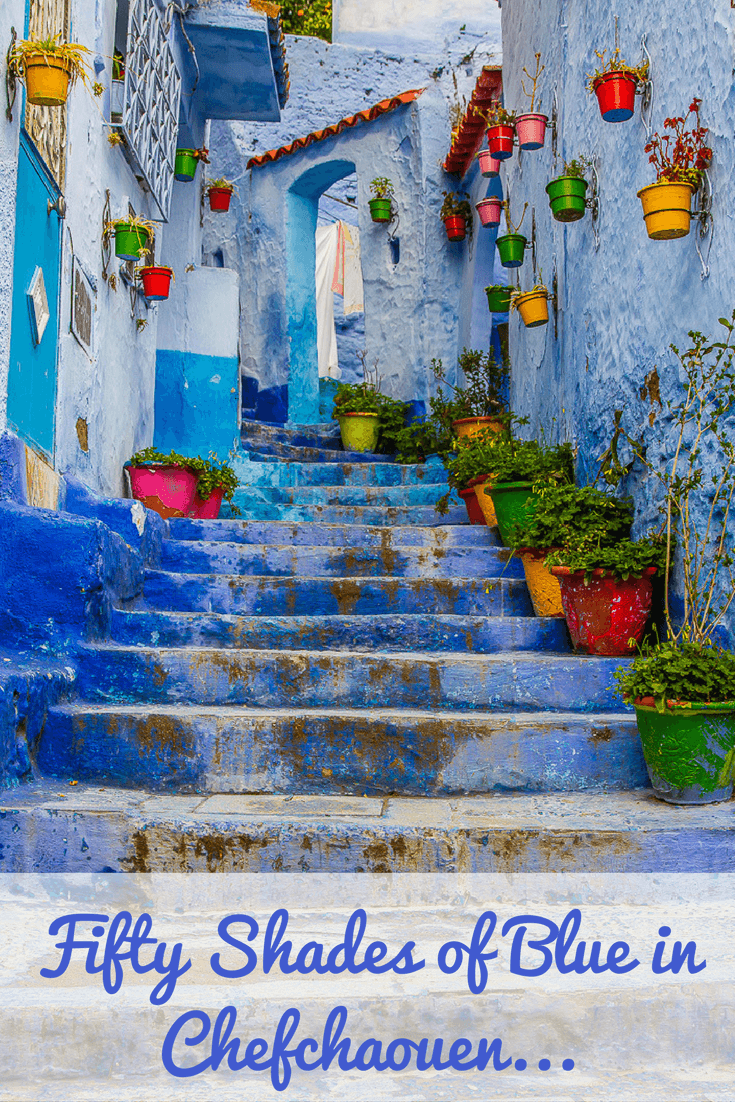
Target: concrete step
{"points": [[380, 751], [384, 632], [270, 473], [51, 827], [423, 516], [273, 596], [333, 535], [360, 679], [217, 557]]}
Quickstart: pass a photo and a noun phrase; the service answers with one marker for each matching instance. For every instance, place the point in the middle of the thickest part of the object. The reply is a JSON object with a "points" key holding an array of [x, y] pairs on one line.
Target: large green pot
{"points": [[513, 503], [359, 431], [186, 165], [567, 196], [498, 299], [130, 241], [380, 210], [689, 751], [511, 248]]}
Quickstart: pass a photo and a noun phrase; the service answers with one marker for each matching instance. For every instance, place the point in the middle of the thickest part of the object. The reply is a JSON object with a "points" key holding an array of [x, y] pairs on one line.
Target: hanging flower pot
{"points": [[616, 95], [667, 209], [456, 228], [380, 210], [567, 198], [46, 80], [219, 198], [470, 427], [131, 240], [186, 165], [489, 211], [512, 502], [500, 142], [168, 490], [605, 615], [511, 247], [531, 130], [117, 100], [688, 749], [533, 307], [359, 431], [542, 585], [156, 282], [489, 165], [498, 299]]}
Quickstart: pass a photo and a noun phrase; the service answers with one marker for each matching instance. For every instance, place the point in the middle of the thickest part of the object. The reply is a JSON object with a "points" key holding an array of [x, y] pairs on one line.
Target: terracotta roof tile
{"points": [[467, 138]]}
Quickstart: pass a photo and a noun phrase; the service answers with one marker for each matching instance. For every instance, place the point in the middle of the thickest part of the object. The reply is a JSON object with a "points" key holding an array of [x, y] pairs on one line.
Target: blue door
{"points": [[35, 314]]}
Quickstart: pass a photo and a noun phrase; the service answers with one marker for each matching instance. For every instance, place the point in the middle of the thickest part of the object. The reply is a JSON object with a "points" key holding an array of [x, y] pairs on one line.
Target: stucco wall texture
{"points": [[11, 15], [620, 305]]}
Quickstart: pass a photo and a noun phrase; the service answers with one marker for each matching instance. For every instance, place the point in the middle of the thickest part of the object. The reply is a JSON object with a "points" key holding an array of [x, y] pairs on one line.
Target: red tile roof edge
{"points": [[367, 115], [467, 138]]}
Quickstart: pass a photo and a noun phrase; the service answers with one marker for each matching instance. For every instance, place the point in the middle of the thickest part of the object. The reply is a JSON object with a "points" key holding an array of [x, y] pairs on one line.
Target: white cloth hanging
{"points": [[348, 272], [327, 239]]}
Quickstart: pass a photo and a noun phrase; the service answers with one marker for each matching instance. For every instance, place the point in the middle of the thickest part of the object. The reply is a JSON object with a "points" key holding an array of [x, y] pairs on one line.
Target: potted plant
{"points": [[49, 68], [481, 404], [512, 245], [456, 214], [489, 210], [533, 305], [156, 280], [219, 192], [519, 466], [679, 158], [615, 84], [117, 87], [186, 163], [133, 237], [530, 126], [381, 205], [500, 130], [368, 420], [568, 192], [176, 485], [683, 689], [489, 165], [498, 298], [469, 472]]}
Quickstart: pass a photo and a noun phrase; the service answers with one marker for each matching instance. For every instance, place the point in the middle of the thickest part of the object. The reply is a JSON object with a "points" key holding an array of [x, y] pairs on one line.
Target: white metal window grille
{"points": [[47, 125], [151, 107]]}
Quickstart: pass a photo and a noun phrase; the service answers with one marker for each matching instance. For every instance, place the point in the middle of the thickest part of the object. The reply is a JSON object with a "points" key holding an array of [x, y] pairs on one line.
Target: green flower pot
{"points": [[359, 431], [380, 210], [689, 751], [498, 299], [567, 197], [513, 503], [511, 248], [186, 165], [129, 240]]}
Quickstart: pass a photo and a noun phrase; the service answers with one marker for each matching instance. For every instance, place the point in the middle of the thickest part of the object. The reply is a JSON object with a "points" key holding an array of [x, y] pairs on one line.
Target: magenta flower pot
{"points": [[531, 131], [169, 491], [489, 211], [489, 165]]}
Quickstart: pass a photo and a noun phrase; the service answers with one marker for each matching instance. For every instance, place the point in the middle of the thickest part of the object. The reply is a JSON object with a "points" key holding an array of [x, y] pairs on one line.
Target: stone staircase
{"points": [[337, 682]]}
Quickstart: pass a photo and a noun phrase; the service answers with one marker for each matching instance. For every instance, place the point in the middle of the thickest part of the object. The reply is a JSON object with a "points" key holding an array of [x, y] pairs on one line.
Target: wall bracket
{"points": [[11, 84], [705, 229], [645, 91]]}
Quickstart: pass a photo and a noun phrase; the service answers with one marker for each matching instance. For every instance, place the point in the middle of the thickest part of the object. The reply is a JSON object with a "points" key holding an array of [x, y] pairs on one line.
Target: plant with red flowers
{"points": [[682, 156]]}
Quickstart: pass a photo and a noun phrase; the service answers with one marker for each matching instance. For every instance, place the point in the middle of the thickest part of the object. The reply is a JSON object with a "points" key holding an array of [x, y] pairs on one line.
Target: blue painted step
{"points": [[424, 516], [339, 474], [325, 435], [266, 452], [181, 748], [282, 533], [390, 496]]}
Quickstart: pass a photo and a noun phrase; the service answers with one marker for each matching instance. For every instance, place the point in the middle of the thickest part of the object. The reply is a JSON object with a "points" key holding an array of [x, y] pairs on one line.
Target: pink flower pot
{"points": [[209, 509], [489, 211], [169, 491], [489, 165], [531, 131], [500, 142]]}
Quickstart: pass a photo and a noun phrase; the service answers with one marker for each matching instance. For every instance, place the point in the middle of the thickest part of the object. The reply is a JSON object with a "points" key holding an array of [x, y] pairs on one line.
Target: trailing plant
{"points": [[615, 64], [681, 156], [679, 673], [381, 187], [509, 225], [484, 392], [496, 115], [454, 206], [307, 17], [211, 474], [73, 56], [534, 77], [564, 516]]}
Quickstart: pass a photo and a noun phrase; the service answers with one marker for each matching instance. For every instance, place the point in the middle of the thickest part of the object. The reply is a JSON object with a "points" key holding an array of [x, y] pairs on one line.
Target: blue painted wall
{"points": [[196, 408]]}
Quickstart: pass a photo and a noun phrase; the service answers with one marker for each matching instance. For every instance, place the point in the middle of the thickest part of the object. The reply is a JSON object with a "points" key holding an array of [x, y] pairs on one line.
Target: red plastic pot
{"points": [[156, 282], [474, 512], [605, 616], [169, 491], [489, 165], [456, 228], [616, 96], [500, 142], [219, 198], [489, 211], [209, 509]]}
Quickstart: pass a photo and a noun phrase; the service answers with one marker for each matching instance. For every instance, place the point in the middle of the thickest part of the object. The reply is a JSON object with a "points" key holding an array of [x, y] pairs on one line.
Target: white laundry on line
{"points": [[338, 268]]}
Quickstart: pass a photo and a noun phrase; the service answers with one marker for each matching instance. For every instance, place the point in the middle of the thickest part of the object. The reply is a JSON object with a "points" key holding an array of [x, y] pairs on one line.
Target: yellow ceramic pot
{"points": [[484, 500], [667, 210], [359, 431], [469, 427], [542, 585], [46, 80], [533, 308]]}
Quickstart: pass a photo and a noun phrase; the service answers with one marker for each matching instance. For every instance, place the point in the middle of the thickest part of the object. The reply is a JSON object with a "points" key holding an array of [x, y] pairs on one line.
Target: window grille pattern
{"points": [[47, 125], [151, 110]]}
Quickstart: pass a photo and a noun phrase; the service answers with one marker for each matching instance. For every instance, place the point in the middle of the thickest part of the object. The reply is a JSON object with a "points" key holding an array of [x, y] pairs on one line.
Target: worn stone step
{"points": [[517, 681], [380, 751], [265, 452], [423, 516], [386, 631], [333, 535], [216, 557], [52, 827], [322, 435], [273, 596], [395, 496], [266, 472]]}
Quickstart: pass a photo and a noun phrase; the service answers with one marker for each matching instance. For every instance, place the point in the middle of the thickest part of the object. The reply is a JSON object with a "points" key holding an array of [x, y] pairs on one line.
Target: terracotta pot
{"points": [[480, 485], [605, 616], [616, 96], [470, 427]]}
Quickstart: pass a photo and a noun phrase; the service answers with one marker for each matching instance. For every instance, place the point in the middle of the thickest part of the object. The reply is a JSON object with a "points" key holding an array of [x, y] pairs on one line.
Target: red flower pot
{"points": [[474, 512], [500, 142], [209, 509], [156, 282], [489, 165], [616, 96], [605, 615], [456, 228], [219, 198], [169, 491]]}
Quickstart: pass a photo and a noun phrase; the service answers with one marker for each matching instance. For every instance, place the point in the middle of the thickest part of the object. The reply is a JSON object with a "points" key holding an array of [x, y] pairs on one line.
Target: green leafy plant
{"points": [[484, 392], [577, 167], [567, 515], [455, 206], [679, 673], [211, 474], [307, 17], [516, 293], [118, 65], [134, 223], [615, 64], [365, 397], [512, 460], [624, 559], [381, 187]]}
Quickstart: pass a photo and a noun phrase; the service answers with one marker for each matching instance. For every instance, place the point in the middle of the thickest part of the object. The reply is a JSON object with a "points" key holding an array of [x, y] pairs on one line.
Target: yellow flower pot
{"points": [[533, 308], [359, 431], [485, 501], [542, 585], [667, 210], [469, 427], [46, 80]]}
